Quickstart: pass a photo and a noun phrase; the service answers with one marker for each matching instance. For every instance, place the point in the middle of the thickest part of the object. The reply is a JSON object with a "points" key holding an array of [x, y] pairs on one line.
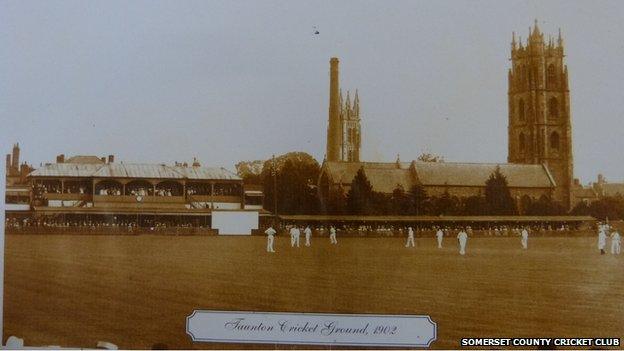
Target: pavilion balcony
{"points": [[132, 199], [68, 197], [214, 198]]}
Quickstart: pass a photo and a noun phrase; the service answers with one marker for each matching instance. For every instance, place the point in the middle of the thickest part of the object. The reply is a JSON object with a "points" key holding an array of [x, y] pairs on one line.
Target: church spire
{"points": [[356, 104], [536, 30], [534, 33]]}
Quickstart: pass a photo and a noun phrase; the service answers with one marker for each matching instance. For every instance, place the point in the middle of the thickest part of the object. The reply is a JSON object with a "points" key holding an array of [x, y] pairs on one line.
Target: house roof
{"points": [[384, 177], [132, 170], [612, 189], [84, 159], [584, 193]]}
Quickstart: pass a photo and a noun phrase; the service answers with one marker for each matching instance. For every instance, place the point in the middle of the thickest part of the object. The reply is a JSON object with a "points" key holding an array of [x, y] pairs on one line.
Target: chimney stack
{"points": [[334, 135], [8, 163], [60, 158], [111, 158], [16, 155], [24, 171]]}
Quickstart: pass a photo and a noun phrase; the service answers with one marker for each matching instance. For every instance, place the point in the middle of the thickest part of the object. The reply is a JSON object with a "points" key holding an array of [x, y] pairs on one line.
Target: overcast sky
{"points": [[160, 81]]}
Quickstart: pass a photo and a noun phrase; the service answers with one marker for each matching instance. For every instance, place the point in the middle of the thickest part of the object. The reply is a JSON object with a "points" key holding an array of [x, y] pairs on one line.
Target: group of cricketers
{"points": [[604, 231], [295, 234], [462, 237]]}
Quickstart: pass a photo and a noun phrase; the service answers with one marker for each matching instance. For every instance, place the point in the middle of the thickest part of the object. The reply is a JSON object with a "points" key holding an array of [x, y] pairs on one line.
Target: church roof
{"points": [[385, 176], [476, 174]]}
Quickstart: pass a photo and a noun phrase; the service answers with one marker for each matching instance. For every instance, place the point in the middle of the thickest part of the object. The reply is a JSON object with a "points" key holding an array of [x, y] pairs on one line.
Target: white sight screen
{"points": [[235, 222]]}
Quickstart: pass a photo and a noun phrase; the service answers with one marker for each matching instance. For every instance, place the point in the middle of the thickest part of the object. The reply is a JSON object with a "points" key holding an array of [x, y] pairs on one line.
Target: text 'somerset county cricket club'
{"points": [[163, 205]]}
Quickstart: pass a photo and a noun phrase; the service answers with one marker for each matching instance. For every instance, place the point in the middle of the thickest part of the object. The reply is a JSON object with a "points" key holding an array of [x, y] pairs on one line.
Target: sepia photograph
{"points": [[344, 174]]}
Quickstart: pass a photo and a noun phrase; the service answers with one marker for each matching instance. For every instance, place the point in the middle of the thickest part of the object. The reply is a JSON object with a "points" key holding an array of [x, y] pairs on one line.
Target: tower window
{"points": [[551, 76], [553, 108], [521, 114], [521, 142], [554, 141]]}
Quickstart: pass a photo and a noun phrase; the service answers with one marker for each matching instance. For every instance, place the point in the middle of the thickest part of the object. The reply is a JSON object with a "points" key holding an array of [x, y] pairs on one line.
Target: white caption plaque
{"points": [[311, 328]]}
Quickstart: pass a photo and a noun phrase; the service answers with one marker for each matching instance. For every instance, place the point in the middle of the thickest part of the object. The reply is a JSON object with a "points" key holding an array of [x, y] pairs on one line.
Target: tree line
{"points": [[295, 176]]}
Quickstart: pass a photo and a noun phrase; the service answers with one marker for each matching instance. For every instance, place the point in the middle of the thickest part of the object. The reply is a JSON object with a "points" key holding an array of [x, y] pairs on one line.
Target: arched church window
{"points": [[554, 140], [521, 141], [521, 112], [525, 74], [551, 76], [553, 108]]}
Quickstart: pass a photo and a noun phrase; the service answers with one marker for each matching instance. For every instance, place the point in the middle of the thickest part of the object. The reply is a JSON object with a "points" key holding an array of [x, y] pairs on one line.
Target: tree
{"points": [[498, 196], [360, 198], [611, 207], [418, 198], [581, 209], [400, 202], [250, 171], [544, 206], [428, 157], [332, 197], [446, 204], [294, 175], [474, 205]]}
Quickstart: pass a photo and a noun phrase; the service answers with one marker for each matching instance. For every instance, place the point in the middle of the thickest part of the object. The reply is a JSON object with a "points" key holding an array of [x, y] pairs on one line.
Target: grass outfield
{"points": [[136, 291]]}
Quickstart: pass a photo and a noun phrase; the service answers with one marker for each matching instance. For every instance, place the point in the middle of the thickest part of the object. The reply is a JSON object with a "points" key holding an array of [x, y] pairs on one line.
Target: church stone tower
{"points": [[540, 129], [343, 129], [350, 121]]}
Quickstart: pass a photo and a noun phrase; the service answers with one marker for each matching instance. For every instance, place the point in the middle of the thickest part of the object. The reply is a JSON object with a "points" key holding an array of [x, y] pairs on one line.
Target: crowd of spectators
{"points": [[140, 191], [111, 190], [76, 189], [400, 230], [114, 189], [168, 192], [101, 223], [50, 188], [219, 189]]}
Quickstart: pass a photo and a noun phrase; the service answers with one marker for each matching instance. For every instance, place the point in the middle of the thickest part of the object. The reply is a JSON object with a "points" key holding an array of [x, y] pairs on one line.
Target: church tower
{"points": [[350, 121], [343, 128], [540, 130]]}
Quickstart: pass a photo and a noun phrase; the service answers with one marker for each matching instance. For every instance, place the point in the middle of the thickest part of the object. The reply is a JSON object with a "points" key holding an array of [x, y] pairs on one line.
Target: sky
{"points": [[224, 81]]}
